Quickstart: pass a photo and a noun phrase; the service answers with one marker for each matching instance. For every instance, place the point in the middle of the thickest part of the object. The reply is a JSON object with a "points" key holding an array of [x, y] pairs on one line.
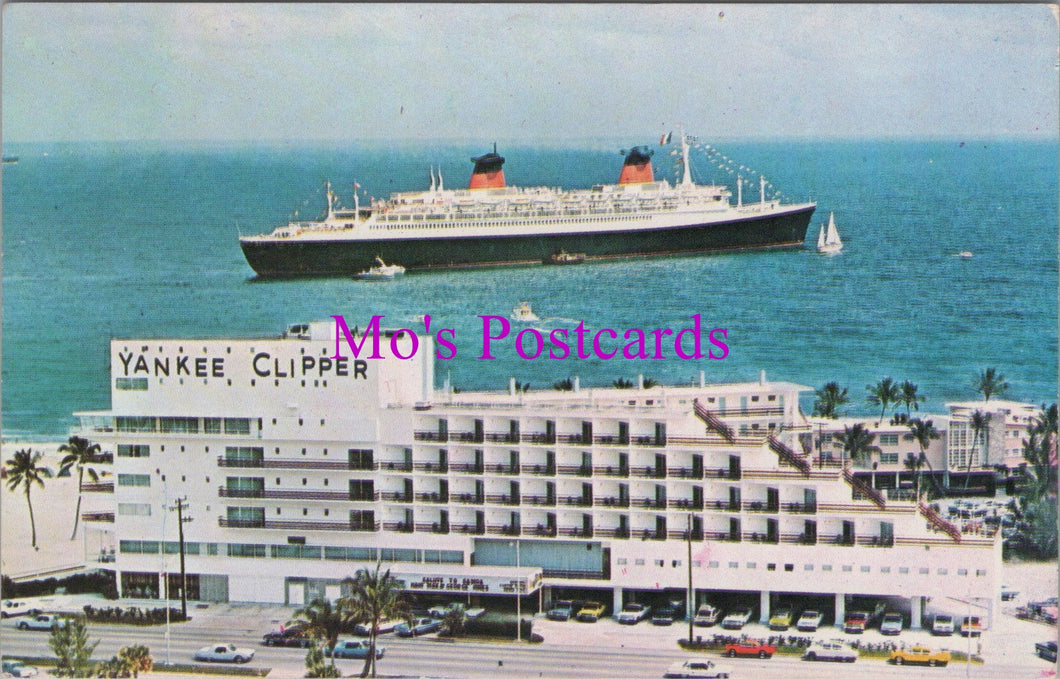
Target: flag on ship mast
{"points": [[665, 139]]}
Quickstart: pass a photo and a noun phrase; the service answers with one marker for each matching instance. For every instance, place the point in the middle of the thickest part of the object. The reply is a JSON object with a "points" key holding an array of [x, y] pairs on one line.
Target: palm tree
{"points": [[566, 384], [22, 470], [325, 622], [649, 383], [1040, 451], [908, 397], [373, 597], [622, 383], [829, 398], [79, 454], [857, 443], [990, 383], [883, 393], [980, 424], [923, 432]]}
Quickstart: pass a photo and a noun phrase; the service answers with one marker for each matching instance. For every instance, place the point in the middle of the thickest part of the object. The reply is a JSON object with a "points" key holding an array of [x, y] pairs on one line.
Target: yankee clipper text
{"points": [[530, 343]]}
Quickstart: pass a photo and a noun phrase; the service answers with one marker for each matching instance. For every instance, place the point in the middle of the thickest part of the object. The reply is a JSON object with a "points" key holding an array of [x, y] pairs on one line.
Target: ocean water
{"points": [[126, 240]]}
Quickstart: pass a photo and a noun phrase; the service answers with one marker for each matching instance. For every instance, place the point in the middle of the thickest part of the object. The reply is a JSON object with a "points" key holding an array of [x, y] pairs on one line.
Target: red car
{"points": [[750, 648]]}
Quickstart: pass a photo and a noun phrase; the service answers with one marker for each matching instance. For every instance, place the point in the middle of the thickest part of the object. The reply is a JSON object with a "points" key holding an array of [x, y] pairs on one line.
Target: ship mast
{"points": [[686, 180], [331, 201]]}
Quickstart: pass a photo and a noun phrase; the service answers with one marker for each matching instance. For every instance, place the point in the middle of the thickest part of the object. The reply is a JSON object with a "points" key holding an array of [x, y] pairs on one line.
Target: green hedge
{"points": [[133, 615], [94, 582]]}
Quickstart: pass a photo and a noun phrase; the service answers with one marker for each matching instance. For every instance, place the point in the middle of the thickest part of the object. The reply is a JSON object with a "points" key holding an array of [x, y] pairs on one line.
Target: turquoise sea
{"points": [[137, 240]]}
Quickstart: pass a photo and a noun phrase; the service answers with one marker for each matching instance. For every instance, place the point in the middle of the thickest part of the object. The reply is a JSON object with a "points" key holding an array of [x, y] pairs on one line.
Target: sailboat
{"points": [[828, 241]]}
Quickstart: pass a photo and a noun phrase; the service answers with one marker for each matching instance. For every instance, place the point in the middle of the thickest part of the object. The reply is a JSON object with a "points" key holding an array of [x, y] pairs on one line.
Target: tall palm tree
{"points": [[883, 393], [980, 424], [909, 397], [990, 383], [374, 596], [923, 432], [22, 470], [857, 443], [1040, 451], [829, 398], [325, 622], [79, 454]]}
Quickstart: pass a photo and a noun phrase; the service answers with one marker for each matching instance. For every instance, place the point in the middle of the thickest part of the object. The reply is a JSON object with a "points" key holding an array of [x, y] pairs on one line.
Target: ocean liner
{"points": [[493, 224]]}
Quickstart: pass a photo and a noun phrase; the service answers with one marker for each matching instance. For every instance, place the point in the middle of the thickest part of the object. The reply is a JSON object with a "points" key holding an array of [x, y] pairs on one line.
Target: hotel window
{"points": [[808, 567], [866, 569], [659, 562], [904, 570], [252, 551], [888, 458], [131, 383], [212, 425], [885, 569], [178, 425], [752, 564], [134, 480], [125, 450], [980, 573], [244, 456], [621, 561], [134, 509], [925, 571], [362, 520], [943, 571], [137, 547], [638, 562], [847, 569], [237, 425], [712, 564], [826, 567], [888, 439], [246, 517], [962, 571], [135, 424]]}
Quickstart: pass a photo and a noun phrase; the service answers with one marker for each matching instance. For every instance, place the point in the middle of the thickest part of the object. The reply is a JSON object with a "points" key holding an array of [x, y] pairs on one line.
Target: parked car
{"points": [[42, 622], [856, 622], [16, 668], [1008, 594], [440, 611], [385, 625], [891, 624], [830, 650], [971, 625], [921, 655], [698, 669], [295, 635], [737, 618], [809, 621], [561, 610], [591, 611], [781, 619], [1046, 650], [473, 613], [942, 624], [748, 648], [10, 609], [349, 648], [633, 613], [224, 653], [706, 616], [418, 626], [665, 616]]}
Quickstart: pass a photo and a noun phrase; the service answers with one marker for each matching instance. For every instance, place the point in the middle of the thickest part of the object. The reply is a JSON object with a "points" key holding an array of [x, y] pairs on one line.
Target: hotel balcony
{"points": [[395, 466], [270, 494], [841, 540], [575, 501], [275, 524], [466, 467], [723, 536], [576, 532], [432, 467], [799, 507], [761, 506], [615, 471], [539, 500], [437, 527], [616, 502], [618, 532], [468, 498], [398, 526], [723, 505], [467, 529], [539, 469], [501, 437], [650, 534], [875, 541], [751, 536], [697, 535], [432, 436], [798, 539], [289, 463], [725, 473], [106, 487], [504, 529], [575, 470], [648, 472], [503, 499], [541, 439], [541, 530], [105, 517], [648, 503], [395, 496], [438, 498], [687, 504], [685, 473]]}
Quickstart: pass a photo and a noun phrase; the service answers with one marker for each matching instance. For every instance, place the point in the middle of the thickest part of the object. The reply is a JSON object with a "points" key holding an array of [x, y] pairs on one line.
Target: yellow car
{"points": [[920, 654], [591, 611], [780, 620]]}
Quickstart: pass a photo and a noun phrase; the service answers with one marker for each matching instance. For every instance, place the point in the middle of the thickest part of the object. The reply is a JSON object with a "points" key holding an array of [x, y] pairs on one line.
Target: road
{"points": [[425, 657]]}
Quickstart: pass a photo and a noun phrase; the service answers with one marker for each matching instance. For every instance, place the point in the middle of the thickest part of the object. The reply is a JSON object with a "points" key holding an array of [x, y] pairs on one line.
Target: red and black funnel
{"points": [[637, 168], [488, 173]]}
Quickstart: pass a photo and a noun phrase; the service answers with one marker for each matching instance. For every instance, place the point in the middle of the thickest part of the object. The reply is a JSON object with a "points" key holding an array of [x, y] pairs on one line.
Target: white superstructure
{"points": [[299, 468]]}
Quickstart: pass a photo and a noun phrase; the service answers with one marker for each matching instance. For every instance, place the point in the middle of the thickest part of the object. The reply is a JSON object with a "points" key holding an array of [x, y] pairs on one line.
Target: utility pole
{"points": [[691, 592], [181, 505]]}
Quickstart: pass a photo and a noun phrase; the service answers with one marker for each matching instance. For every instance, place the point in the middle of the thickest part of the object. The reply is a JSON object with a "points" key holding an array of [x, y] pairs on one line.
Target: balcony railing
{"points": [[875, 541], [648, 503], [800, 507], [713, 421], [650, 534], [466, 467], [503, 499], [940, 523], [543, 439], [575, 470], [657, 442], [798, 539], [648, 472], [697, 535], [468, 498], [105, 487], [271, 494], [276, 524], [723, 536], [539, 469], [437, 437], [686, 504], [398, 526], [751, 536], [542, 531], [685, 473], [105, 517], [724, 473], [612, 532], [573, 575], [723, 505], [395, 496], [576, 439], [467, 529], [284, 463], [440, 498], [579, 532], [759, 506], [464, 437], [404, 467], [501, 437], [575, 501], [506, 469], [788, 456], [612, 470], [433, 467], [435, 527], [503, 530], [540, 500], [616, 502], [842, 541]]}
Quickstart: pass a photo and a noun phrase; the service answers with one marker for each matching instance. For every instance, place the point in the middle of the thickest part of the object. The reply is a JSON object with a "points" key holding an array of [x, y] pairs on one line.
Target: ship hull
{"points": [[276, 258]]}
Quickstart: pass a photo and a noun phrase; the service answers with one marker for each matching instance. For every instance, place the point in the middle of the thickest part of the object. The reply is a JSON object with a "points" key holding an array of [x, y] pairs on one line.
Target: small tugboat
{"points": [[523, 313], [564, 257], [964, 254], [381, 271], [828, 241]]}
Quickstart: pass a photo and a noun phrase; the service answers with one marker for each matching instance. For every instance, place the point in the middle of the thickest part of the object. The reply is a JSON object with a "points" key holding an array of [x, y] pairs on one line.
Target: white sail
{"points": [[828, 241]]}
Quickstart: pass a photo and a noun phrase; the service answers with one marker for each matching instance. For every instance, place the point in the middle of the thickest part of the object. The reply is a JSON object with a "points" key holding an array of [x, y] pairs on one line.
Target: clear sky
{"points": [[287, 72]]}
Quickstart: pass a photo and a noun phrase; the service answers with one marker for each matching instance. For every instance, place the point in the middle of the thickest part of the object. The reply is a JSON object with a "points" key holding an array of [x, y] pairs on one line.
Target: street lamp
{"points": [[518, 598]]}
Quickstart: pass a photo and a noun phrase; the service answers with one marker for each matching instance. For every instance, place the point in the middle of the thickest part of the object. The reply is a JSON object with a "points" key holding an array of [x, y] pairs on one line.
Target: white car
{"points": [[809, 621], [42, 622], [10, 609], [633, 613], [737, 618], [16, 668], [942, 624], [830, 650], [385, 625], [891, 624], [698, 669], [706, 616], [224, 653]]}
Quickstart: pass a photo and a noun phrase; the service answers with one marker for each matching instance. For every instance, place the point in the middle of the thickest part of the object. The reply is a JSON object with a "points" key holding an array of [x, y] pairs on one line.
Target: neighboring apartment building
{"points": [[299, 469]]}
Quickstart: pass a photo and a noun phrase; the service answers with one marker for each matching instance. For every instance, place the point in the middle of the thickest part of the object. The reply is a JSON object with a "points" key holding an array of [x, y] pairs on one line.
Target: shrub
{"points": [[492, 627]]}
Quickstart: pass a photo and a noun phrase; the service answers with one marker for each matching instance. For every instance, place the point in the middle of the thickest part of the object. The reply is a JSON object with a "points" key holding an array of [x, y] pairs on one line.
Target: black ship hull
{"points": [[276, 258]]}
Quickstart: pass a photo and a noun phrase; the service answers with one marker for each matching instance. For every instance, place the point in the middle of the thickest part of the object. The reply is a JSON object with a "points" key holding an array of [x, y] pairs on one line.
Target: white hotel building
{"points": [[298, 470]]}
